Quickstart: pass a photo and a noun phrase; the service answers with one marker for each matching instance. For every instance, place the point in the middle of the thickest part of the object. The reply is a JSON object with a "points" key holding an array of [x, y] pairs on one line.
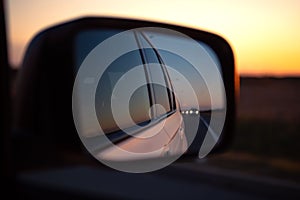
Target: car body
{"points": [[149, 131]]}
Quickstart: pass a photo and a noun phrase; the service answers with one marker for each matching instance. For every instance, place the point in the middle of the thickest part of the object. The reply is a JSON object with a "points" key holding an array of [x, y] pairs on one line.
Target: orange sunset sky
{"points": [[264, 34]]}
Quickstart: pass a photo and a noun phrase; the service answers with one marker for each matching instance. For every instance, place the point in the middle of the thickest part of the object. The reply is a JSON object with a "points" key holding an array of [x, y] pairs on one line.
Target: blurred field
{"points": [[269, 117], [267, 139], [270, 99]]}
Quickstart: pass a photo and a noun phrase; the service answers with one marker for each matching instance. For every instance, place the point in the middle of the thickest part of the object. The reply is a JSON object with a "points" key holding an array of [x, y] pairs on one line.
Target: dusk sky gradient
{"points": [[265, 34]]}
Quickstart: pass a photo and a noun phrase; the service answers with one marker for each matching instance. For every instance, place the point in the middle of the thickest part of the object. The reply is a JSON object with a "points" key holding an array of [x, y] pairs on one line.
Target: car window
{"points": [[159, 83], [86, 41], [139, 103], [183, 73], [188, 72]]}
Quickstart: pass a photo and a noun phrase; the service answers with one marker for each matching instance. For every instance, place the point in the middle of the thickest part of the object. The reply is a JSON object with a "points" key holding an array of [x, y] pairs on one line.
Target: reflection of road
{"points": [[190, 123]]}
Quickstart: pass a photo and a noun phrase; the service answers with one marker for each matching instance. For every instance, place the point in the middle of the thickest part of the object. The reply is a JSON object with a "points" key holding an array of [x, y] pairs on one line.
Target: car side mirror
{"points": [[132, 90]]}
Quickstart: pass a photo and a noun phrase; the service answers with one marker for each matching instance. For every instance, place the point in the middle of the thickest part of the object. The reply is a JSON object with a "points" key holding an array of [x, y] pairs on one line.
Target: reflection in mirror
{"points": [[155, 100]]}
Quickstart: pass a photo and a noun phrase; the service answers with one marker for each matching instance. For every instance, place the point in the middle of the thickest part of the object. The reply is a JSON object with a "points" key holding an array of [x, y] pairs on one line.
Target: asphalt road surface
{"points": [[173, 182], [188, 179]]}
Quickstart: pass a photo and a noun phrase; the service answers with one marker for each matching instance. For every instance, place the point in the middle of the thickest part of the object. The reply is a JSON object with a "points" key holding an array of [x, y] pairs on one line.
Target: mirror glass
{"points": [[146, 93]]}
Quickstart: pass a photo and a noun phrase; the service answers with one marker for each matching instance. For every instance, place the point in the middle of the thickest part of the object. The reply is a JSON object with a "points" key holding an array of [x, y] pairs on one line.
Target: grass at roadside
{"points": [[264, 148], [269, 138]]}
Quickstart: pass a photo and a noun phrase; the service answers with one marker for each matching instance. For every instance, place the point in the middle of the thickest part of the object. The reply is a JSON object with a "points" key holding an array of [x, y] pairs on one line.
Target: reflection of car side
{"points": [[155, 125]]}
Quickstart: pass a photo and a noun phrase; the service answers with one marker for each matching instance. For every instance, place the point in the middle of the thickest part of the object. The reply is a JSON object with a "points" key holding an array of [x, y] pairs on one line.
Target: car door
{"points": [[153, 121], [167, 107]]}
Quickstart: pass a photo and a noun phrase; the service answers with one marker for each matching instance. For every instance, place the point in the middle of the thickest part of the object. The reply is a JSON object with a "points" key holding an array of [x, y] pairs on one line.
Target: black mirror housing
{"points": [[44, 90]]}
